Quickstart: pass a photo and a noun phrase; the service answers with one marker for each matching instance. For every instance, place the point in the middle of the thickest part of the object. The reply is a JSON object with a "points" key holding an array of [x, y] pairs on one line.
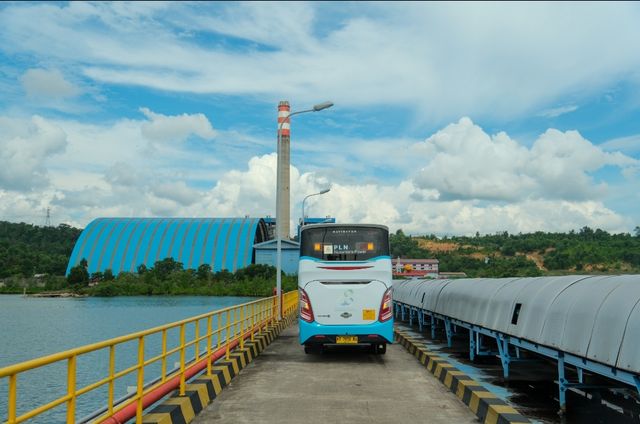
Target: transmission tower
{"points": [[47, 221]]}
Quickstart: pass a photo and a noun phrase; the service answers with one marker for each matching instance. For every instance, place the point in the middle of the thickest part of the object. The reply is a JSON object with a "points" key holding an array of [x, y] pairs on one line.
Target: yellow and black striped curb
{"points": [[203, 389], [487, 406]]}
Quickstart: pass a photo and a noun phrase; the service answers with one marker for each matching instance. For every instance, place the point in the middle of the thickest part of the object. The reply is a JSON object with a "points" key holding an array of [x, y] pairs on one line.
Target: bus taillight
{"points": [[306, 312], [385, 307]]}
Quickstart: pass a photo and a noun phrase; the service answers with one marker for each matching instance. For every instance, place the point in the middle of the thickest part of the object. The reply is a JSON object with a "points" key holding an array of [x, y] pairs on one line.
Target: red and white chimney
{"points": [[284, 162]]}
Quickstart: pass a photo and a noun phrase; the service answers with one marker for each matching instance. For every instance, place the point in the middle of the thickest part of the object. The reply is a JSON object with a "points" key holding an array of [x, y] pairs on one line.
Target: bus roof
{"points": [[331, 225]]}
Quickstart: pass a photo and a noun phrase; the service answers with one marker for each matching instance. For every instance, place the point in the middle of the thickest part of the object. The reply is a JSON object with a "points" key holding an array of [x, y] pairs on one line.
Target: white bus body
{"points": [[344, 279]]}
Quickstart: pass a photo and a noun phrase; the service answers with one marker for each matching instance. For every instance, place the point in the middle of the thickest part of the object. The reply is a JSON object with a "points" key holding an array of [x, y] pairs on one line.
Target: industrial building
{"points": [[265, 253], [123, 244]]}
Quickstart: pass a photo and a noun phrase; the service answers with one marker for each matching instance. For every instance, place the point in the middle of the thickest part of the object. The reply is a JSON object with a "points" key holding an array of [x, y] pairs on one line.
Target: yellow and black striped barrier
{"points": [[489, 408], [203, 389]]}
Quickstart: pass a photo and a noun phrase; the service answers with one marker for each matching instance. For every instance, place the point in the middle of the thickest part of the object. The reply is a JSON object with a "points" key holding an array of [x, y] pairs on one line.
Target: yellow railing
{"points": [[233, 326]]}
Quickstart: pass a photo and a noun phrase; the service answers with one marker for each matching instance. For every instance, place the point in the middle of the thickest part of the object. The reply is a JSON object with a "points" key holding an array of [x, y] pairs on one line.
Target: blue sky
{"points": [[448, 118]]}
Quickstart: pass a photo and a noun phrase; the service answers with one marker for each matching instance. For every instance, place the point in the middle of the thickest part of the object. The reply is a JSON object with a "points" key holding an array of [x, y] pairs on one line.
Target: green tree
{"points": [[78, 276], [203, 272], [165, 267], [108, 275]]}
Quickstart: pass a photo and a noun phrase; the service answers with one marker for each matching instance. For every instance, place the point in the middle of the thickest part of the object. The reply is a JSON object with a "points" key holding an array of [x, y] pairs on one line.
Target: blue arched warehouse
{"points": [[122, 244]]}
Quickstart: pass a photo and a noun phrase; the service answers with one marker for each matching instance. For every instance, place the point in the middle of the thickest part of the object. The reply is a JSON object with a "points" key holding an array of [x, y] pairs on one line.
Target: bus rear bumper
{"points": [[377, 332]]}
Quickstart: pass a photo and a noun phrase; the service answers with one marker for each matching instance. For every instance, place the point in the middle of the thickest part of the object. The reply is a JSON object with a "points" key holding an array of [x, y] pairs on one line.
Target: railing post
{"points": [[209, 336], [140, 387], [242, 327], [71, 390], [112, 371], [227, 338], [197, 345], [182, 354], [253, 320], [13, 397], [218, 331], [164, 356]]}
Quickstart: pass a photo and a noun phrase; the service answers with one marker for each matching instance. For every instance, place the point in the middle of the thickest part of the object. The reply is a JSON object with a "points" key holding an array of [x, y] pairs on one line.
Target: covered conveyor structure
{"points": [[589, 322], [123, 244]]}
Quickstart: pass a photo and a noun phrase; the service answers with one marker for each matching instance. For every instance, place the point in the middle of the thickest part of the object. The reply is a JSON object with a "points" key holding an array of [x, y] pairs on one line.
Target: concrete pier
{"points": [[283, 385]]}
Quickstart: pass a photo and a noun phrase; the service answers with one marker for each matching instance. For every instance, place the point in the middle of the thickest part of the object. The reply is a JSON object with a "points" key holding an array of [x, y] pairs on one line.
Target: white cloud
{"points": [[629, 144], [24, 147], [464, 162], [440, 59], [108, 170], [467, 217], [252, 192], [177, 191], [557, 111], [48, 84], [175, 128]]}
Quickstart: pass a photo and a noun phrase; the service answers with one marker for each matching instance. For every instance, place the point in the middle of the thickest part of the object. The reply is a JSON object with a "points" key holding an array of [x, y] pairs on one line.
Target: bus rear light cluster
{"points": [[385, 307], [306, 312]]}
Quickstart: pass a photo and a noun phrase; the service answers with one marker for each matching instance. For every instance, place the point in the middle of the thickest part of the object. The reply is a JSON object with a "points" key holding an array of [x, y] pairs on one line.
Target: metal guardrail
{"points": [[233, 326]]}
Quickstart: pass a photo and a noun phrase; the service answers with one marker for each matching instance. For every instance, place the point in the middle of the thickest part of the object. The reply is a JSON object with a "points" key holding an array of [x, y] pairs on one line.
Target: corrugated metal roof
{"points": [[122, 244], [595, 317]]}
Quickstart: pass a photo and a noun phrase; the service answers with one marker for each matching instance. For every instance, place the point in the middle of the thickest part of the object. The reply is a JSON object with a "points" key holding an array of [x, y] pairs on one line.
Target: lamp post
{"points": [[326, 190], [316, 108]]}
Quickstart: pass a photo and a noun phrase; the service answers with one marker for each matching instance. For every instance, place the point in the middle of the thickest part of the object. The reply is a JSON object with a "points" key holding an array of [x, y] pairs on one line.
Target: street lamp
{"points": [[326, 190], [316, 108]]}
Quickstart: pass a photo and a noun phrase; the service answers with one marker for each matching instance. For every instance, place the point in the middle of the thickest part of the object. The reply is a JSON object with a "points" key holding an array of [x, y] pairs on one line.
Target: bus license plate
{"points": [[347, 339]]}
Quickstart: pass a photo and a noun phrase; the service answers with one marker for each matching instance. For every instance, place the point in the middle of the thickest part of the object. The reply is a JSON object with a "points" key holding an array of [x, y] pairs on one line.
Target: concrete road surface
{"points": [[347, 385]]}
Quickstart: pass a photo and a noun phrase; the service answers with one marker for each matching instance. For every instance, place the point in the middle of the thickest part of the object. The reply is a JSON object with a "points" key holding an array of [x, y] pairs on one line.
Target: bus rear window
{"points": [[344, 243]]}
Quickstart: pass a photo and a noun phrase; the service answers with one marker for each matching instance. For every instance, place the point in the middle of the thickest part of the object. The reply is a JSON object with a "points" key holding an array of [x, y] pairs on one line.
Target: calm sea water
{"points": [[33, 327]]}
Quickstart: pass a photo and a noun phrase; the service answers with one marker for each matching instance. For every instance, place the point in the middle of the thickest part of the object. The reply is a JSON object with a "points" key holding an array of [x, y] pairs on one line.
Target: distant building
{"points": [[416, 267], [123, 244], [266, 254]]}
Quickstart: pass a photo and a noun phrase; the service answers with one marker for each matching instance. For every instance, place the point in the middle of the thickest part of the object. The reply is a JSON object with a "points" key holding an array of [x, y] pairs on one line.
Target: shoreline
{"points": [[50, 294]]}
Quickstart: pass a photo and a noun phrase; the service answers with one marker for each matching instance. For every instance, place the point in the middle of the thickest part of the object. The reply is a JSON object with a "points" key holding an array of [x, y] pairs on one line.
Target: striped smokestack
{"points": [[283, 177]]}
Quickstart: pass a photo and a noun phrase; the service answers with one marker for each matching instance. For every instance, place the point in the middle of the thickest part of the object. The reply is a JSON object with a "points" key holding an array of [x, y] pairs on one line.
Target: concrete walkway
{"points": [[283, 385]]}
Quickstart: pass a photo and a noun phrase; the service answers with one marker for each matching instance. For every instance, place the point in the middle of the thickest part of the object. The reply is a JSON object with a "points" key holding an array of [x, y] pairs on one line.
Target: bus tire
{"points": [[381, 349]]}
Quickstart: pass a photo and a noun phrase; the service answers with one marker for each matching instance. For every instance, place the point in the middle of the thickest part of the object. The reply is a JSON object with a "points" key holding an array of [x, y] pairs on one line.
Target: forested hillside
{"points": [[539, 253], [27, 249]]}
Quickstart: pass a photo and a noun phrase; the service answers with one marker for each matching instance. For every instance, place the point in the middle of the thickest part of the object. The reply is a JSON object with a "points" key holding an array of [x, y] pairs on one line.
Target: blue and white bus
{"points": [[344, 282]]}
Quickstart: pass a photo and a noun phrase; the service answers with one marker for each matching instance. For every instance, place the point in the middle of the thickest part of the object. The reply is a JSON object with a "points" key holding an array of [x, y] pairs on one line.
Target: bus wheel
{"points": [[381, 348], [307, 349]]}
